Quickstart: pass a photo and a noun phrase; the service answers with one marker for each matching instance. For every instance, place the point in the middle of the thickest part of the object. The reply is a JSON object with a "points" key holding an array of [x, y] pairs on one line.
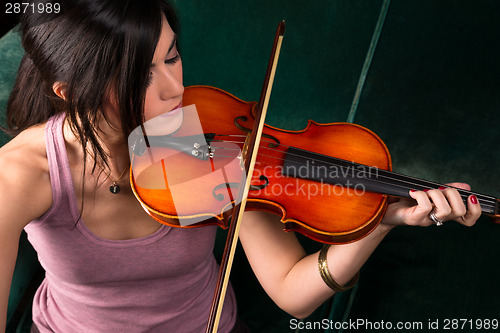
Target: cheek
{"points": [[179, 71], [151, 106], [154, 105]]}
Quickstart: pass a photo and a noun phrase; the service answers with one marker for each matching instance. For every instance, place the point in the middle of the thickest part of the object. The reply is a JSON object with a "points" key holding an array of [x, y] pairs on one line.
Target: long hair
{"points": [[93, 48]]}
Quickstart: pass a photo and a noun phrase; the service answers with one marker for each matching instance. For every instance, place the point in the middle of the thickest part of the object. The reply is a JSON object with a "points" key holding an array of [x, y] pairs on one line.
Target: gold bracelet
{"points": [[325, 273]]}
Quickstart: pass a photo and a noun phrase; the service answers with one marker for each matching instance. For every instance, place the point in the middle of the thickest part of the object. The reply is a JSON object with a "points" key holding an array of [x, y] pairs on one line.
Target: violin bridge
{"points": [[244, 151]]}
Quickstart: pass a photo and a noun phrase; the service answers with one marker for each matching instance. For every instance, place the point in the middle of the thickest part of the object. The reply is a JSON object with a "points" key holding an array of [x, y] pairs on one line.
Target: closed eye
{"points": [[174, 59]]}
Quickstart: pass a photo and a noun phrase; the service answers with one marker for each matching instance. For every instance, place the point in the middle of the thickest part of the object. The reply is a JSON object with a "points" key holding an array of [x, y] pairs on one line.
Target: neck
{"points": [[113, 143]]}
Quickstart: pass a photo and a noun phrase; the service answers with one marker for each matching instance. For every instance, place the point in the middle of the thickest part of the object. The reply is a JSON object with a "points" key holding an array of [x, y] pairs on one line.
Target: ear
{"points": [[59, 89]]}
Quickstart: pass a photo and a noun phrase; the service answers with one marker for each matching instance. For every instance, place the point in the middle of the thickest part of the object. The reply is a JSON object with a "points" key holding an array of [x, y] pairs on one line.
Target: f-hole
{"points": [[274, 144]]}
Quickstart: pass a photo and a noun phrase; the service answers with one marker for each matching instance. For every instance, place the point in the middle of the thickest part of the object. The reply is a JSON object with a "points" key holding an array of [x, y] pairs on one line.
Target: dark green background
{"points": [[431, 94]]}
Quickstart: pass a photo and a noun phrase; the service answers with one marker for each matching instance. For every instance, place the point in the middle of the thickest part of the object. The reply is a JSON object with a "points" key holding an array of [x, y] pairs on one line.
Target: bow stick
{"points": [[236, 217]]}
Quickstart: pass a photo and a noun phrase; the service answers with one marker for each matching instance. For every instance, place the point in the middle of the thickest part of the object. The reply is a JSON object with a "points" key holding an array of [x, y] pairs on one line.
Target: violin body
{"points": [[330, 182], [320, 210]]}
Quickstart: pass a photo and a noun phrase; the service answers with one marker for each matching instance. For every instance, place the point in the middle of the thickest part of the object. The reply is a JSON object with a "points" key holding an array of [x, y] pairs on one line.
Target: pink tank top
{"points": [[163, 282]]}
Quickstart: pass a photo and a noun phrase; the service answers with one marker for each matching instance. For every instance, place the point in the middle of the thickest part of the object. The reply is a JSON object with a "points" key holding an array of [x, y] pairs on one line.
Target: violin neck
{"points": [[304, 164]]}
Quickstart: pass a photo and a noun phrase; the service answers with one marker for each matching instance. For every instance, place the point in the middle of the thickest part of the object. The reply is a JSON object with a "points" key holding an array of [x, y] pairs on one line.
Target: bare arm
{"points": [[291, 277], [9, 240], [25, 194]]}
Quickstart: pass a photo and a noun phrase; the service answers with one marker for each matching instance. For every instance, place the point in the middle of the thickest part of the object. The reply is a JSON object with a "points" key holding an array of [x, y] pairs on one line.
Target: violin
{"points": [[329, 182]]}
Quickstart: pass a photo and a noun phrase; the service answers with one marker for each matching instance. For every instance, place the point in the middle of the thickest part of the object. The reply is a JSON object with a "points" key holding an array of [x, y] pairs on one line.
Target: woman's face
{"points": [[165, 88]]}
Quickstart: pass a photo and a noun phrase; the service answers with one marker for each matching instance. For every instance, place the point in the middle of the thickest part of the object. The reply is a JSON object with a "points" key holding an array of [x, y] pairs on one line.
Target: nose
{"points": [[171, 85]]}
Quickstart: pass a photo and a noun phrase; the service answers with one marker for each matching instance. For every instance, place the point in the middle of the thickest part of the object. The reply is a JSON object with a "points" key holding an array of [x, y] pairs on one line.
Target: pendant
{"points": [[114, 188]]}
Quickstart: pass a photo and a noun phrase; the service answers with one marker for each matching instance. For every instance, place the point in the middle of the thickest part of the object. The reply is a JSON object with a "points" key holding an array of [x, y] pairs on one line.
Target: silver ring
{"points": [[434, 219]]}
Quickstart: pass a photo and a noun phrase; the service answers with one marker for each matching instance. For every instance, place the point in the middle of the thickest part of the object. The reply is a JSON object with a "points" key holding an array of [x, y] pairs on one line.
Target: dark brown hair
{"points": [[93, 47]]}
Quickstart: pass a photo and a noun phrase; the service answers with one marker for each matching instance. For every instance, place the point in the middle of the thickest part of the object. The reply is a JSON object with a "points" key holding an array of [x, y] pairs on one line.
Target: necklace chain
{"points": [[115, 188], [121, 175]]}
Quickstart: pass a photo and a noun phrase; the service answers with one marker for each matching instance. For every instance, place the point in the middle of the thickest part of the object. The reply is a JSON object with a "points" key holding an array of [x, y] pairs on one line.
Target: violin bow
{"points": [[237, 214]]}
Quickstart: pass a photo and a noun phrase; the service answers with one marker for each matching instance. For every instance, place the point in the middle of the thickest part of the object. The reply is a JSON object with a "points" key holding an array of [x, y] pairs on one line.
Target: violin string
{"points": [[222, 156], [227, 148], [485, 202], [488, 200], [387, 176], [236, 135]]}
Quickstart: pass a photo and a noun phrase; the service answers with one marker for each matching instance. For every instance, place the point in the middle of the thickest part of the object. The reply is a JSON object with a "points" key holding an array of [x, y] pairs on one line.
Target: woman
{"points": [[92, 74]]}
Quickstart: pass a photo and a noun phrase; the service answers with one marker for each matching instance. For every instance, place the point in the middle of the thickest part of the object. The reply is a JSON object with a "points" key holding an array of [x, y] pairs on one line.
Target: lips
{"points": [[178, 106], [175, 110]]}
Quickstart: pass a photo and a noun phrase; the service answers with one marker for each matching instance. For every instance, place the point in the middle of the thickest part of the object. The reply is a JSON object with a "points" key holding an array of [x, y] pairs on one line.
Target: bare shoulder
{"points": [[25, 191]]}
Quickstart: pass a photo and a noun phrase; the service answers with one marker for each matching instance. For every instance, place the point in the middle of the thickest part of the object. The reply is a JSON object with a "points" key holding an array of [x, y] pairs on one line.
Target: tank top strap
{"points": [[59, 170]]}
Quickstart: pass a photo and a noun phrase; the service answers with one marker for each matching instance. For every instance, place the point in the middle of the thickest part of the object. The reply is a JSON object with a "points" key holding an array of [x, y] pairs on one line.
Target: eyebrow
{"points": [[172, 44]]}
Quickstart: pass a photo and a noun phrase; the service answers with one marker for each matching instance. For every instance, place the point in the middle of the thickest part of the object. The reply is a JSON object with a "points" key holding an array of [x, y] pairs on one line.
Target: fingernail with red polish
{"points": [[426, 190], [442, 188], [473, 199], [413, 190]]}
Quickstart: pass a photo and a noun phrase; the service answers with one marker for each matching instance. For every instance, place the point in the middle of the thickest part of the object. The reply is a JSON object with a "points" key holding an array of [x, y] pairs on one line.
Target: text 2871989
{"points": [[32, 7]]}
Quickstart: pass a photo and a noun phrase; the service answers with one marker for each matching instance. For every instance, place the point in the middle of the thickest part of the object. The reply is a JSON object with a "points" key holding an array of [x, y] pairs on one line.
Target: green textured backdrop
{"points": [[431, 94]]}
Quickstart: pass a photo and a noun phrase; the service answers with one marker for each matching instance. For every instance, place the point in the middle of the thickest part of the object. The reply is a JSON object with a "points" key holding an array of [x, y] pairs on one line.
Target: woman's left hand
{"points": [[445, 204]]}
